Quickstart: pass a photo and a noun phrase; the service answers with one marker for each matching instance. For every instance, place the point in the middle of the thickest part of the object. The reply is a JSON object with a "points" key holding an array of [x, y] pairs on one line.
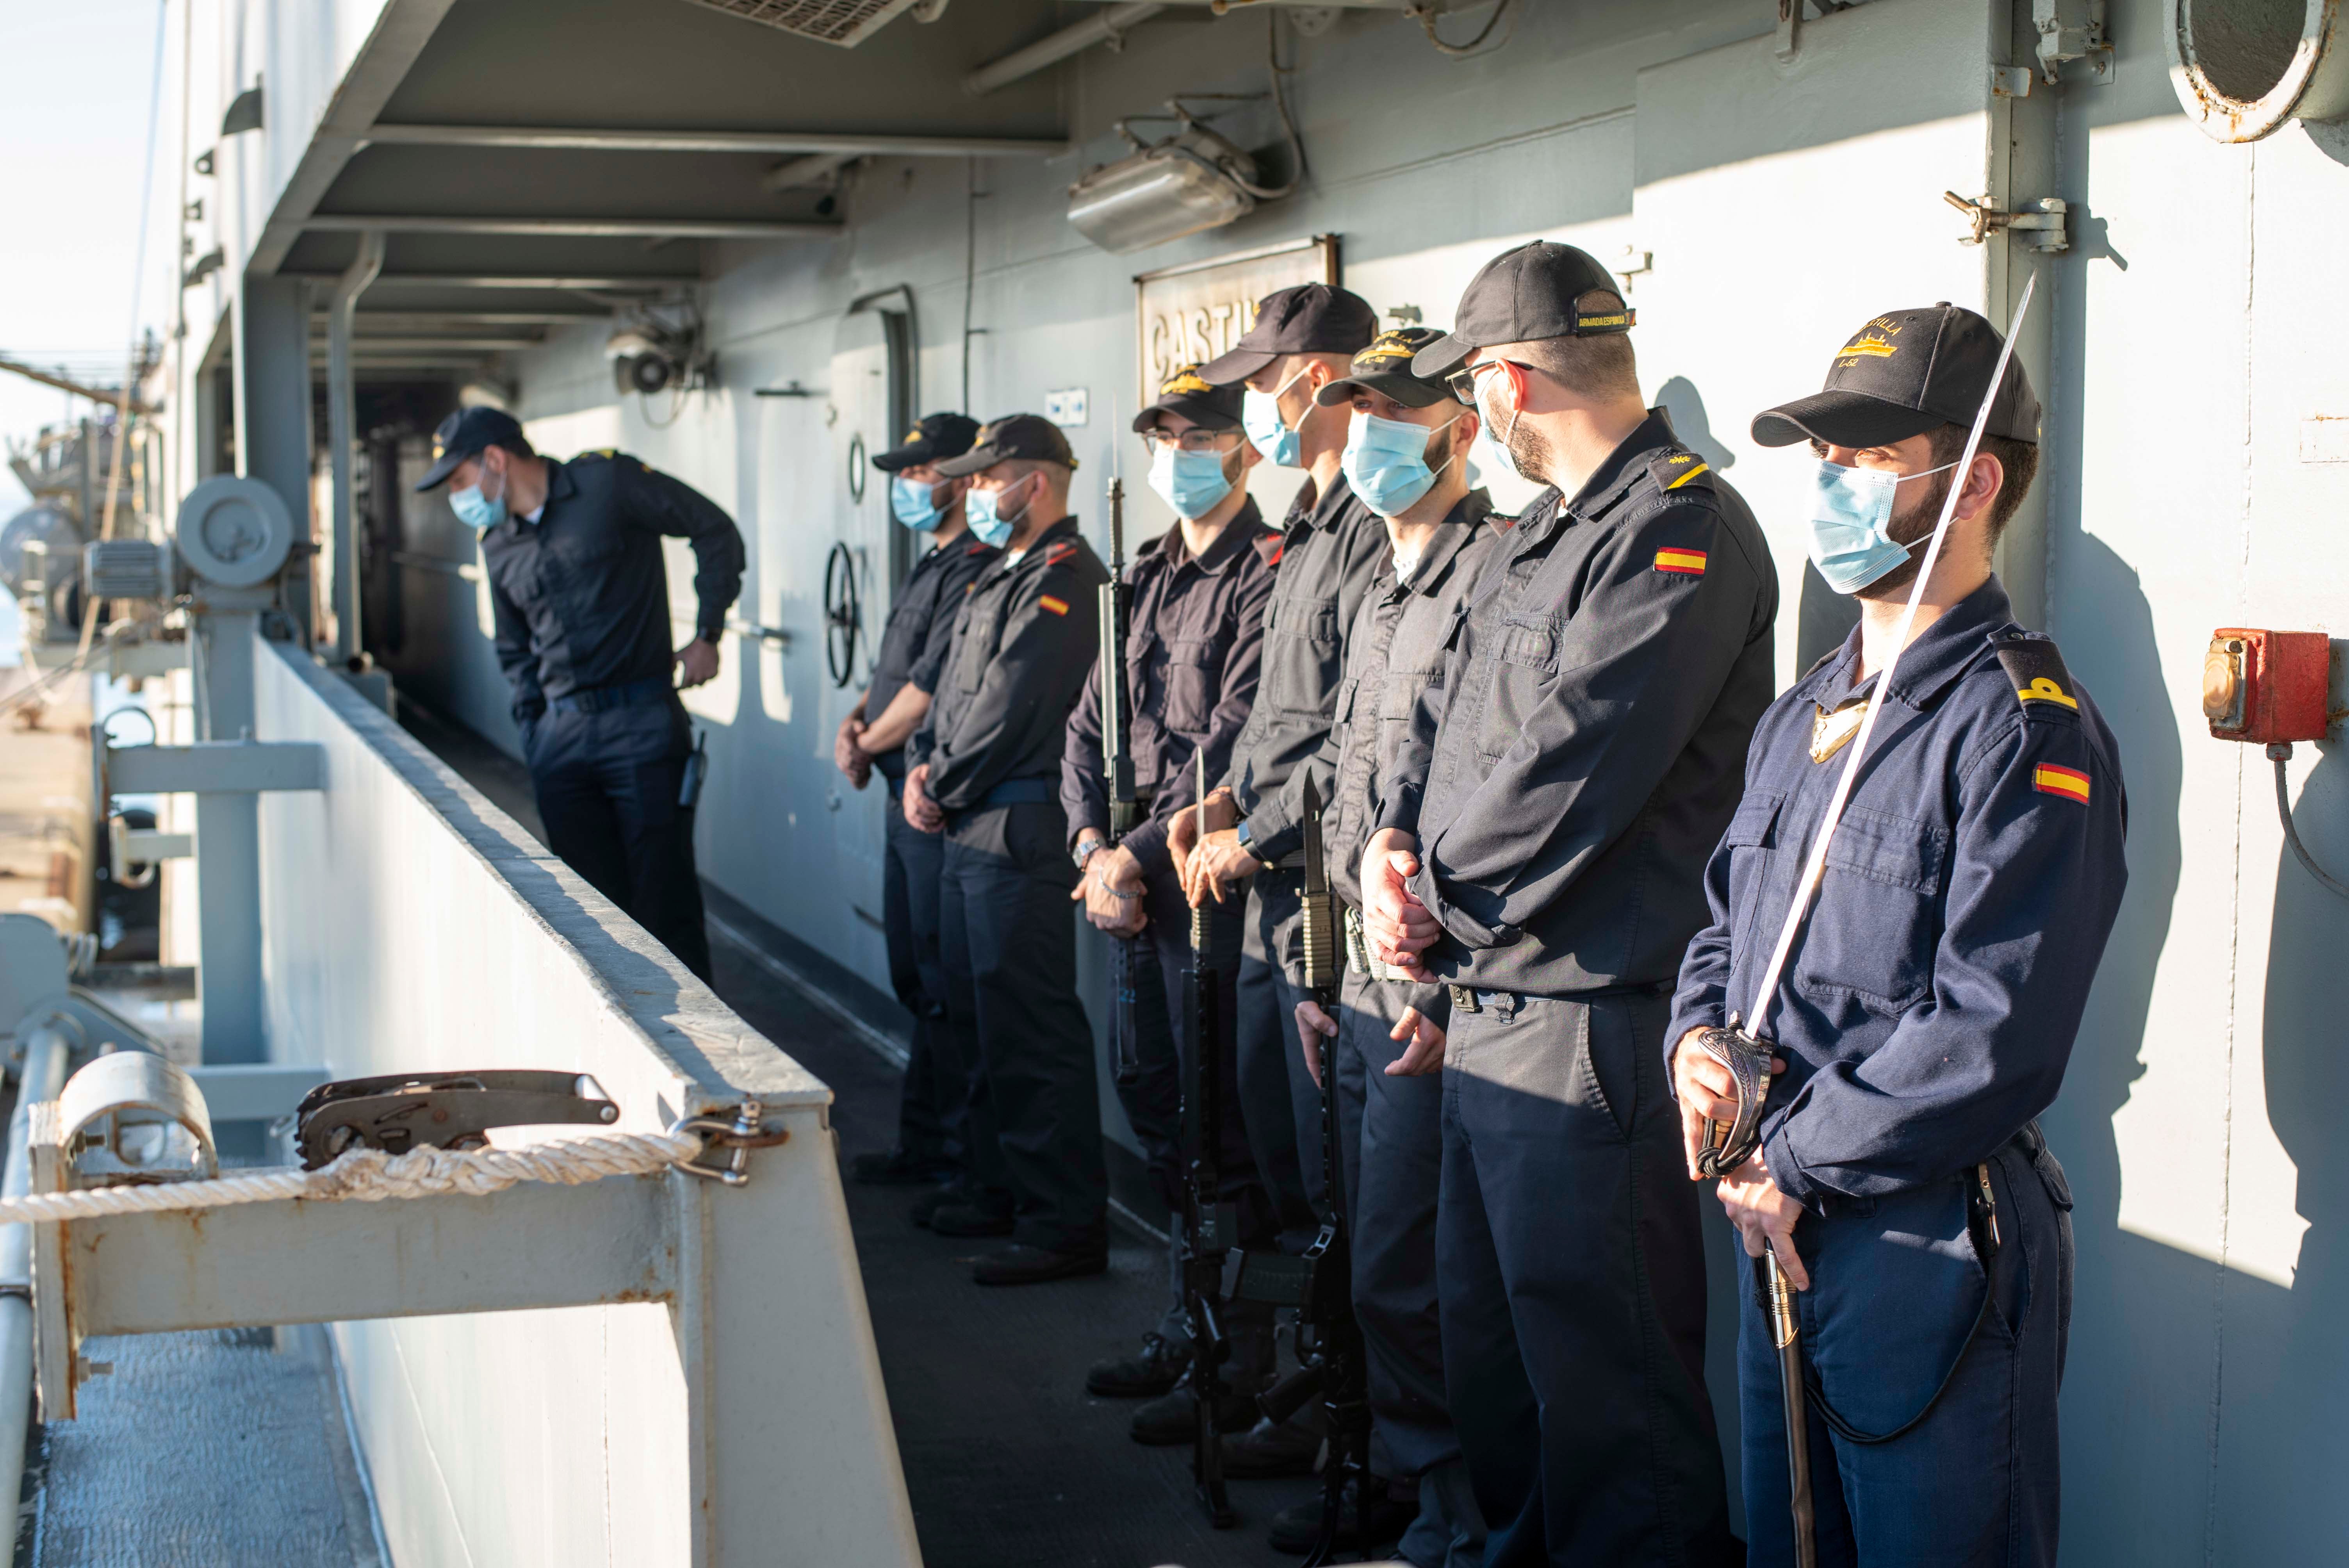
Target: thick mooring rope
{"points": [[370, 1176]]}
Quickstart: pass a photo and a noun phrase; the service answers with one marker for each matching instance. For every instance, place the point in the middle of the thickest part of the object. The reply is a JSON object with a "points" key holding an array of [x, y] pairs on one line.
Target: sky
{"points": [[73, 143]]}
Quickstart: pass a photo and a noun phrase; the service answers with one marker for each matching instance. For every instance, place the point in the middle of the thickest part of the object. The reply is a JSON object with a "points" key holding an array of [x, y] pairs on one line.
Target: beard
{"points": [[1908, 525]]}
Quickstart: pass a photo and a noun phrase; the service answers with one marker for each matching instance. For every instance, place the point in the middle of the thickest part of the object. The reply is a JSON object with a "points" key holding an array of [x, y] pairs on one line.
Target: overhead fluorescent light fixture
{"points": [[1194, 179], [846, 23]]}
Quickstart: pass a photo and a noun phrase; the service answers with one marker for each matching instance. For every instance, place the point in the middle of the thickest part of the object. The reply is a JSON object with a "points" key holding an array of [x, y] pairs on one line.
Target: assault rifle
{"points": [[1207, 1227], [1329, 1302], [1117, 768]]}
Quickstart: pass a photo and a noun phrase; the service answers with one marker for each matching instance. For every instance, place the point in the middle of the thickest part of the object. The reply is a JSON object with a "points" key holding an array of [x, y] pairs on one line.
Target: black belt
{"points": [[1471, 998], [1021, 792], [627, 694]]}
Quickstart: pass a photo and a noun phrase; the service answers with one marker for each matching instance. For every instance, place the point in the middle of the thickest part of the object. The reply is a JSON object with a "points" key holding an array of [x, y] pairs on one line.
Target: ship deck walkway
{"points": [[1009, 1463]]}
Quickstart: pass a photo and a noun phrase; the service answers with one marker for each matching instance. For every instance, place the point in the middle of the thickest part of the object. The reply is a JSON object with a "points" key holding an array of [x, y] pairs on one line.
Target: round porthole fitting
{"points": [[2244, 69]]}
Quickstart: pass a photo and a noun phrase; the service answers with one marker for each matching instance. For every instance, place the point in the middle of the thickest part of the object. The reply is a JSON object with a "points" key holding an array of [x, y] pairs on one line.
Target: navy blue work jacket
{"points": [[1930, 1001], [1571, 770], [579, 598]]}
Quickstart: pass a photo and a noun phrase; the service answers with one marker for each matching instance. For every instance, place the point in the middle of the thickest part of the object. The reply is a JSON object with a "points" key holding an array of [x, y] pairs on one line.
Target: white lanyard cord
{"points": [[1815, 868]]}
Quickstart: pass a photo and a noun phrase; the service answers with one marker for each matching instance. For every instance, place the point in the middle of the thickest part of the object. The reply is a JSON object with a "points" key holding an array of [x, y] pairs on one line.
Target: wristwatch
{"points": [[1243, 837], [1085, 849]]}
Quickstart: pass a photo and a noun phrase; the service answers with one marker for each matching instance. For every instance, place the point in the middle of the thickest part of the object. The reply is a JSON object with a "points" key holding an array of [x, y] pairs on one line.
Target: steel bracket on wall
{"points": [[2071, 30], [2044, 225]]}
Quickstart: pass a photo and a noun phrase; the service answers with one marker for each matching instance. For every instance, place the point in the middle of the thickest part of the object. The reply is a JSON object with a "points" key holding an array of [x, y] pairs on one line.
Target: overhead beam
{"points": [[817, 169], [770, 142], [402, 28], [608, 282], [393, 343], [428, 319], [574, 228]]}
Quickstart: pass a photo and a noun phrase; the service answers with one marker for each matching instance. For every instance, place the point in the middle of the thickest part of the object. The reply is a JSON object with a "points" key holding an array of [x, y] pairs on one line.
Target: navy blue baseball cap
{"points": [[931, 441], [464, 434]]}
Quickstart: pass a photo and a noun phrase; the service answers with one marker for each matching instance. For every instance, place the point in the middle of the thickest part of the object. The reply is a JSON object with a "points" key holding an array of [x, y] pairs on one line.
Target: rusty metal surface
{"points": [[202, 1450]]}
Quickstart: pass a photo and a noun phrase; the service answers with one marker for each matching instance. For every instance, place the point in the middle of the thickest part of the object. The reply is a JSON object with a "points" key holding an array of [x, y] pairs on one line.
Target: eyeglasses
{"points": [[1462, 381], [1198, 439]]}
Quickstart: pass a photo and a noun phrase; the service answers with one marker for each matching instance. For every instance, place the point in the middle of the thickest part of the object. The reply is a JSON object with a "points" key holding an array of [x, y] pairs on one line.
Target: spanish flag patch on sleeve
{"points": [[1687, 563], [2068, 782], [1060, 607]]}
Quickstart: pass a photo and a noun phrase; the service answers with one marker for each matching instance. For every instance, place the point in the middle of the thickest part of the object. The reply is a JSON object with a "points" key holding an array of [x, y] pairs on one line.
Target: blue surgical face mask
{"points": [[1386, 461], [1850, 524], [914, 503], [1491, 442], [1190, 482], [979, 512], [1260, 418], [478, 512]]}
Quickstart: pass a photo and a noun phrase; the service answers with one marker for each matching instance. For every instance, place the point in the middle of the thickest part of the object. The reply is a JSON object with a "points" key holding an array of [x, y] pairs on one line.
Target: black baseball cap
{"points": [[464, 434], [1904, 374], [1384, 367], [1526, 296], [933, 439], [1012, 436], [1311, 318], [1196, 398]]}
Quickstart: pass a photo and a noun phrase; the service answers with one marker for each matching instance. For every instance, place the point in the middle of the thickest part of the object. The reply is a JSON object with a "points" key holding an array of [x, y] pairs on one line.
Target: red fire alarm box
{"points": [[2266, 686]]}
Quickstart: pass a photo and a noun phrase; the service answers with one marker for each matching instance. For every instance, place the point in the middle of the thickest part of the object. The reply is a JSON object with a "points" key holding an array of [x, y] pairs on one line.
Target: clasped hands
{"points": [[1111, 891], [1762, 1213]]}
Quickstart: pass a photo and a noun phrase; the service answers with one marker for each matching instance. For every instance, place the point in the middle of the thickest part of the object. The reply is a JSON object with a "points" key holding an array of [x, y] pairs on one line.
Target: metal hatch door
{"points": [[1783, 203], [865, 558]]}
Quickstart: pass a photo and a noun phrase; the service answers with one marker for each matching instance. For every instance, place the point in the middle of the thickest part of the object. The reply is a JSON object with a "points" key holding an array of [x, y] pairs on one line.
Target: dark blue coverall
{"points": [[1194, 649], [1331, 547], [1391, 1129], [1023, 644], [1567, 780], [580, 602], [1926, 1017], [932, 1106]]}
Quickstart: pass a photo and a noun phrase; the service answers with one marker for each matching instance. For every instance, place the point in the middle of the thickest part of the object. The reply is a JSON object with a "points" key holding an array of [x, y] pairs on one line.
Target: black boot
{"points": [[1145, 1374], [1271, 1448], [898, 1169], [1168, 1422], [1020, 1263], [1295, 1527]]}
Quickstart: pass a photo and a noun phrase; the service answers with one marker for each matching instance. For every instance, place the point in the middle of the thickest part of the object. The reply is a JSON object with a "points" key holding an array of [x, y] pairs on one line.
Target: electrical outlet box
{"points": [[2266, 686]]}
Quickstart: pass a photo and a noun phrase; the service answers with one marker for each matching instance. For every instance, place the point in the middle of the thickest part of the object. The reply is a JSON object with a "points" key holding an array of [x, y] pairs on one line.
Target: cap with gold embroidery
{"points": [[466, 434], [1903, 374], [1013, 436], [1384, 367], [1197, 400], [933, 439]]}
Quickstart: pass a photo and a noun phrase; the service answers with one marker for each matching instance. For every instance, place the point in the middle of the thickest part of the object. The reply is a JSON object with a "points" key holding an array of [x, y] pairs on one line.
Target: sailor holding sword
{"points": [[1873, 1119]]}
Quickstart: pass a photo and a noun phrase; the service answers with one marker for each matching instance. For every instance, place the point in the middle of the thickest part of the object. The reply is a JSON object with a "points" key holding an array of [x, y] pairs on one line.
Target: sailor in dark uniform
{"points": [[579, 593], [931, 1111], [1931, 999], [1302, 340], [1193, 648], [1542, 843], [1406, 457], [985, 770]]}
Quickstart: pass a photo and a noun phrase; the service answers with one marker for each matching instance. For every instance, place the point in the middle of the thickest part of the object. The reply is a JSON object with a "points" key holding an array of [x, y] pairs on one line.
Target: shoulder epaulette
{"points": [[2036, 670], [1059, 552], [979, 549], [601, 454], [1673, 469]]}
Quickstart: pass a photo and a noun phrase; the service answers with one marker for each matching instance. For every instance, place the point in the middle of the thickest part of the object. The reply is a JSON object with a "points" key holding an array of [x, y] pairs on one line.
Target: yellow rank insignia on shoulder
{"points": [[2069, 782], [1058, 606], [1686, 562]]}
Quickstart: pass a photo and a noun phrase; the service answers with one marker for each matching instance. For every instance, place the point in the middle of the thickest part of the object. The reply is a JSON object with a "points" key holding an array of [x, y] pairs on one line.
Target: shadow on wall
{"points": [[2127, 1389], [2286, 1356]]}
